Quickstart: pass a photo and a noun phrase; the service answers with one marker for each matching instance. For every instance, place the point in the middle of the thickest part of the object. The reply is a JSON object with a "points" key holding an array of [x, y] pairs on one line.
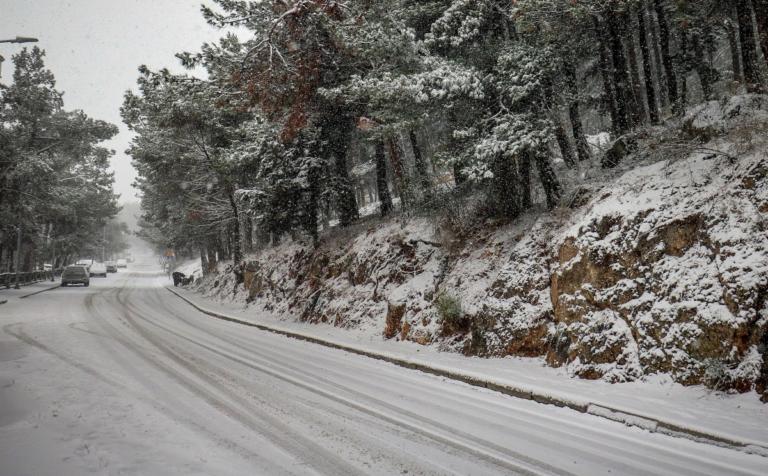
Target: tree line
{"points": [[56, 195], [332, 108]]}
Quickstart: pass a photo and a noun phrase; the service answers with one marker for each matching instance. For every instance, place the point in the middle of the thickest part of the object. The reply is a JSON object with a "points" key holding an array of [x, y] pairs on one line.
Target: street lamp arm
{"points": [[20, 39]]}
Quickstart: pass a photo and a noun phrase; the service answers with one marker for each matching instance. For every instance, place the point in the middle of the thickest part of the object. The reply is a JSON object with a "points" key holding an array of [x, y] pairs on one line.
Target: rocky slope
{"points": [[661, 269]]}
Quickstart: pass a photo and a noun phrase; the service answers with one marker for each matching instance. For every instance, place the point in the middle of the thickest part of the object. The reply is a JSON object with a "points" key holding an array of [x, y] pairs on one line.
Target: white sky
{"points": [[94, 48]]}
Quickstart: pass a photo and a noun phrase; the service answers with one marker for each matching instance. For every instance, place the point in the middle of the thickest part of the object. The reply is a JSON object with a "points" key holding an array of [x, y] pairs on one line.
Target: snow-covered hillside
{"points": [[662, 268]]}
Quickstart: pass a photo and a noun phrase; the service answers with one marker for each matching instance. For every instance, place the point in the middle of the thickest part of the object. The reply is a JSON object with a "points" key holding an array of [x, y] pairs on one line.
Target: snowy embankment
{"points": [[659, 274]]}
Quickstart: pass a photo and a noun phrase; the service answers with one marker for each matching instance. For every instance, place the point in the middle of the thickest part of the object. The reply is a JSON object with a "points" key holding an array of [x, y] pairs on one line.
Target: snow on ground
{"points": [[125, 378], [741, 416]]}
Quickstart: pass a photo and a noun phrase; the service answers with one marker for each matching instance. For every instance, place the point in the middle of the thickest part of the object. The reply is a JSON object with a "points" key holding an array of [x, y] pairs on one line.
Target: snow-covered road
{"points": [[125, 378]]}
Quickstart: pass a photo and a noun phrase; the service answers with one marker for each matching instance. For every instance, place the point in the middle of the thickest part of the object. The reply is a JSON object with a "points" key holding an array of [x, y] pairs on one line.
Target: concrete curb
{"points": [[40, 291], [627, 418]]}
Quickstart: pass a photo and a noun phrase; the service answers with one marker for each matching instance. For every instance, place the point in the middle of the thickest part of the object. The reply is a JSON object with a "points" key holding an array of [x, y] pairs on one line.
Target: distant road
{"points": [[124, 378]]}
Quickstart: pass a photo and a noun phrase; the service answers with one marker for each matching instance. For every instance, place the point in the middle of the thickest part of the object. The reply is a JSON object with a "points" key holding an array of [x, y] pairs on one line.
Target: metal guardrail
{"points": [[10, 279]]}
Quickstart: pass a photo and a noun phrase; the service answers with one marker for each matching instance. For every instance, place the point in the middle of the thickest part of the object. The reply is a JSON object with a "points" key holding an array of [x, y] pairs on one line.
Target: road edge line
{"points": [[40, 291], [651, 424]]}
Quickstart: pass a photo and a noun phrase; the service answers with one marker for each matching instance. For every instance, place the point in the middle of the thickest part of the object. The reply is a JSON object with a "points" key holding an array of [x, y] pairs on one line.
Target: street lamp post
{"points": [[18, 39], [17, 263]]}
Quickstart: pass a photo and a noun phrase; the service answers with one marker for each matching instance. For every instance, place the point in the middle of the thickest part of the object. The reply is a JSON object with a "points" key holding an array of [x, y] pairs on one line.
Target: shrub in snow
{"points": [[452, 317]]}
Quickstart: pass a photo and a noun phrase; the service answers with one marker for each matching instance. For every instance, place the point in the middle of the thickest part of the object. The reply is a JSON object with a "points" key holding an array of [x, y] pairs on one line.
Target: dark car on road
{"points": [[75, 275]]}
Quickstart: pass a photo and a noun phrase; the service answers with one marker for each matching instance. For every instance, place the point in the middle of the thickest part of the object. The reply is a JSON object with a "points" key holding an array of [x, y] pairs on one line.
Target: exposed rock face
{"points": [[388, 273], [394, 321], [668, 272]]}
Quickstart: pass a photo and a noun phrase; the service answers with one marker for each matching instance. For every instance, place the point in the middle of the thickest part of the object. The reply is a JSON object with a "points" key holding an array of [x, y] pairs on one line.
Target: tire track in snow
{"points": [[482, 449], [16, 331], [234, 405], [113, 334]]}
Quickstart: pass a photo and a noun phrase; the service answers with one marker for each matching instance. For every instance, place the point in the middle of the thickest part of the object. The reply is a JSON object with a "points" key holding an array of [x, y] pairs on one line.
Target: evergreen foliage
{"points": [[326, 104], [56, 195]]}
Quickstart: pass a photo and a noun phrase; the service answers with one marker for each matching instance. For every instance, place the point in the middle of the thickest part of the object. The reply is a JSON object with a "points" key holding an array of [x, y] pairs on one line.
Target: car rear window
{"points": [[76, 271]]}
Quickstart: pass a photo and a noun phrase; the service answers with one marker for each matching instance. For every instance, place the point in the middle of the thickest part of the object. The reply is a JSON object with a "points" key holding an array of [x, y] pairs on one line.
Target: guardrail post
{"points": [[18, 255]]}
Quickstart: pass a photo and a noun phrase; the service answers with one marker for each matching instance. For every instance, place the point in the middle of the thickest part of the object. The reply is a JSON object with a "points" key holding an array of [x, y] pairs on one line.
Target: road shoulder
{"points": [[28, 290]]}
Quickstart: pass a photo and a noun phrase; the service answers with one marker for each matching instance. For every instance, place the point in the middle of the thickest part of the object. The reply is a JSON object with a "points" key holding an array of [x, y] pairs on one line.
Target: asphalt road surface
{"points": [[125, 378]]}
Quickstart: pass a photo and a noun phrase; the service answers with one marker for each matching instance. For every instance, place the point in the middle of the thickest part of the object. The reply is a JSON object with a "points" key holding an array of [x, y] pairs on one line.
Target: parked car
{"points": [[76, 274], [98, 269], [111, 266], [122, 263], [85, 262]]}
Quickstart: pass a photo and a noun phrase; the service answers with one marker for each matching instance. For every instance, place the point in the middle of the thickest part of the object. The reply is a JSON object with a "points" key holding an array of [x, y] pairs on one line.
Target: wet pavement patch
{"points": [[11, 350], [12, 408]]}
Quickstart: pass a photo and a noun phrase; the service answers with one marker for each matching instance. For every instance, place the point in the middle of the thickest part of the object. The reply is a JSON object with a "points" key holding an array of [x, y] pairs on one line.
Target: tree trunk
{"points": [[224, 251], [509, 189], [338, 138], [348, 212], [684, 65], [247, 234], [548, 179], [733, 42], [457, 168], [524, 171], [620, 72], [650, 89], [707, 75], [213, 260], [565, 146], [606, 68], [761, 14], [382, 187], [401, 177], [571, 82], [313, 206], [658, 69], [666, 55], [204, 260], [748, 46], [421, 167], [237, 246], [640, 114]]}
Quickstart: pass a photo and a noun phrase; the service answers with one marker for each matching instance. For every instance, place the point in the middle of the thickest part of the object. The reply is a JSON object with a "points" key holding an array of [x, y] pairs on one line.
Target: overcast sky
{"points": [[94, 48]]}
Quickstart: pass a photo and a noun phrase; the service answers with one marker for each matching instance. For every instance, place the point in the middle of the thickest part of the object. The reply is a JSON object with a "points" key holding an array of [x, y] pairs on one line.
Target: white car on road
{"points": [[85, 262], [98, 269]]}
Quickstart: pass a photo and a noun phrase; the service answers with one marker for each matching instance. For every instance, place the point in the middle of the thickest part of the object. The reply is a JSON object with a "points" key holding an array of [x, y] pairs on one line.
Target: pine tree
{"points": [[55, 187]]}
